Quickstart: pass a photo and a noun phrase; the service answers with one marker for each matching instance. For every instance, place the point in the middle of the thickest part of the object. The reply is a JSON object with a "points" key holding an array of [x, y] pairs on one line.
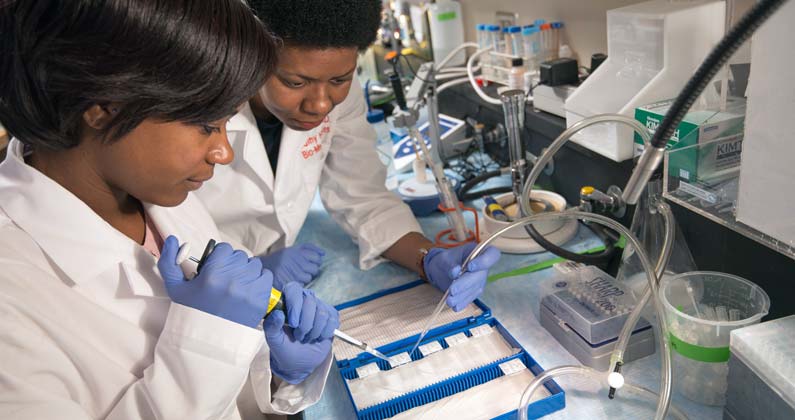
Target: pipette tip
{"points": [[376, 353]]}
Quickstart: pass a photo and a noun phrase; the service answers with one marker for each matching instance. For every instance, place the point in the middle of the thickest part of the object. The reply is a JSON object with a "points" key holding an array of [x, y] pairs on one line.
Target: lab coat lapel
{"points": [[73, 231], [247, 143], [301, 159]]}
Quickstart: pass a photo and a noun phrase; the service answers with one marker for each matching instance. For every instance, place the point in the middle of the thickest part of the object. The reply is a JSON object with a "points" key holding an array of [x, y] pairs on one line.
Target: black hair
{"points": [[321, 23], [192, 61]]}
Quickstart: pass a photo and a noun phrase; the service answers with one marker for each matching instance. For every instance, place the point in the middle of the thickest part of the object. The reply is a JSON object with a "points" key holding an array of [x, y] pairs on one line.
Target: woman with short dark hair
{"points": [[118, 111], [305, 131]]}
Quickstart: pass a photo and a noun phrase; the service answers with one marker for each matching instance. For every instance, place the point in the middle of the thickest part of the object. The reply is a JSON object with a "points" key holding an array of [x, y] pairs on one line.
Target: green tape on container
{"points": [[446, 16], [698, 353]]}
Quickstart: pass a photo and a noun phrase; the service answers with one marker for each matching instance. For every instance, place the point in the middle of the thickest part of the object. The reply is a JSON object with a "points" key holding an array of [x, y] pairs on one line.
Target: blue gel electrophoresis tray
{"points": [[347, 367]]}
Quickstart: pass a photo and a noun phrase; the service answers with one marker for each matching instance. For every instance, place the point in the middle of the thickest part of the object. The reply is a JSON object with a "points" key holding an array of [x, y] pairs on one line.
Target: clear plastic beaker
{"points": [[701, 310]]}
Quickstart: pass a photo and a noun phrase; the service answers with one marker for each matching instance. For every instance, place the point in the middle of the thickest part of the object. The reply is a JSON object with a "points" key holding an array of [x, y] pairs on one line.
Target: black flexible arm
{"points": [[591, 259]]}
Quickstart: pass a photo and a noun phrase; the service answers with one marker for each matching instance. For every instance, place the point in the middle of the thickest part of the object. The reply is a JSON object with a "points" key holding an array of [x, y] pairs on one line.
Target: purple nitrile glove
{"points": [[291, 359], [230, 285], [299, 263], [443, 270]]}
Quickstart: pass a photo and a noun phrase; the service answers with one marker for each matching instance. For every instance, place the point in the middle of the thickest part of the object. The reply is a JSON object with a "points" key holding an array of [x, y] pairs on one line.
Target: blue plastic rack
{"points": [[347, 367]]}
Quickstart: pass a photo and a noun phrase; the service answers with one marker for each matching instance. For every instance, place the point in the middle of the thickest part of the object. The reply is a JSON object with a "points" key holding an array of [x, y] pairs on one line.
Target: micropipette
{"points": [[356, 343], [184, 254]]}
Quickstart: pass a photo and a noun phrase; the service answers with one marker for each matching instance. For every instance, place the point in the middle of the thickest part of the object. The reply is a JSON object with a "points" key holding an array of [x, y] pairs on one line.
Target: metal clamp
{"points": [[611, 202]]}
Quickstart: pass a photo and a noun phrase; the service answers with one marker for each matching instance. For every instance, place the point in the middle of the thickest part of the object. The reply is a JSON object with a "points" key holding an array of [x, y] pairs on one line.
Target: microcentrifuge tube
{"points": [[721, 313], [735, 315]]}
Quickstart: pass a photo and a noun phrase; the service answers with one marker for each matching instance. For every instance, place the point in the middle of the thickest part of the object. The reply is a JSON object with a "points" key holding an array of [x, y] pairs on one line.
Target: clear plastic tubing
{"points": [[586, 371], [662, 262], [514, 41], [664, 400], [524, 202]]}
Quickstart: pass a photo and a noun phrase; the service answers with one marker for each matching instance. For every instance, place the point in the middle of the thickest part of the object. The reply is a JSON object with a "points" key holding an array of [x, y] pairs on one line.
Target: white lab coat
{"points": [[88, 331], [338, 156]]}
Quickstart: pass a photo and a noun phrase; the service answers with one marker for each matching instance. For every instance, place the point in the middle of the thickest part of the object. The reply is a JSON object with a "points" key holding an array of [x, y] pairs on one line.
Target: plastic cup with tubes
{"points": [[701, 310]]}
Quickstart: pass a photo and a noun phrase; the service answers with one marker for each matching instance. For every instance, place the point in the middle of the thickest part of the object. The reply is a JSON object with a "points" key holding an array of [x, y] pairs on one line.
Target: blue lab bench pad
{"points": [[556, 401]]}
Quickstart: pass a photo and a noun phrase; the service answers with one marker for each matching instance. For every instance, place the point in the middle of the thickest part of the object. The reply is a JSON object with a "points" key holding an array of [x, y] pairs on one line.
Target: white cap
{"points": [[615, 380]]}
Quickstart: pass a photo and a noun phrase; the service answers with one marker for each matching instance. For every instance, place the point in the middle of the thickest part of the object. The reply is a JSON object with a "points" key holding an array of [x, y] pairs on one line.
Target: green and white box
{"points": [[698, 127]]}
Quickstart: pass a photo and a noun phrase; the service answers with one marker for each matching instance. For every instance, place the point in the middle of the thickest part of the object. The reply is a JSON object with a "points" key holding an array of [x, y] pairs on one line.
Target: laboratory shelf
{"points": [[713, 194]]}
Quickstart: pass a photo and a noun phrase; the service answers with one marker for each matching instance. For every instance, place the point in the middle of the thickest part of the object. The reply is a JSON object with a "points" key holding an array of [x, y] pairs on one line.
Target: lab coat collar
{"points": [[68, 230]]}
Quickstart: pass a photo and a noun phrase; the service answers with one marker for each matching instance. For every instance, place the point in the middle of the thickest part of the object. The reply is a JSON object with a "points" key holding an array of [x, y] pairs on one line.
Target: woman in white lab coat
{"points": [[306, 129], [117, 110]]}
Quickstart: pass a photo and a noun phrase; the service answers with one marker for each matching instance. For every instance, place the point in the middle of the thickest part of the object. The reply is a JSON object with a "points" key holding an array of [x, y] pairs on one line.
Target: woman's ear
{"points": [[99, 116]]}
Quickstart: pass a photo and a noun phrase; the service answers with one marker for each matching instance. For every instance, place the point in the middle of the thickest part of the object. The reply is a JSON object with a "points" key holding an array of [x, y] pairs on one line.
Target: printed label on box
{"points": [[430, 348], [698, 192], [512, 366], [481, 330], [567, 266], [456, 339], [399, 359], [367, 370]]}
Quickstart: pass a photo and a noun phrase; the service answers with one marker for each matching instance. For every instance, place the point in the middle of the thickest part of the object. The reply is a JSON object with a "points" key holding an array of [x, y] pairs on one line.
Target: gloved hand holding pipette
{"points": [[311, 320], [230, 285], [300, 346], [443, 270], [233, 286]]}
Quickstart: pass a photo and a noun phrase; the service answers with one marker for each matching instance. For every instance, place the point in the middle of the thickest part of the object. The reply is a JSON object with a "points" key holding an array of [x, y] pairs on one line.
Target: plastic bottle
{"points": [[446, 25], [516, 74]]}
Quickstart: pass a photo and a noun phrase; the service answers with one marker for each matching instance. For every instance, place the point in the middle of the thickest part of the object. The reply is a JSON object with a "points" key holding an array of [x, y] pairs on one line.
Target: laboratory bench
{"points": [[512, 301]]}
